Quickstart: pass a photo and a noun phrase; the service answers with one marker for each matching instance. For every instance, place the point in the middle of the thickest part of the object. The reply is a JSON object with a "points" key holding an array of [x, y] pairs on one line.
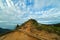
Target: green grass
{"points": [[49, 28]]}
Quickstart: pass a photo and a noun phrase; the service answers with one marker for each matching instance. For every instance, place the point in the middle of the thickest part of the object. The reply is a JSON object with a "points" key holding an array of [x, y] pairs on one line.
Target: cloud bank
{"points": [[18, 11]]}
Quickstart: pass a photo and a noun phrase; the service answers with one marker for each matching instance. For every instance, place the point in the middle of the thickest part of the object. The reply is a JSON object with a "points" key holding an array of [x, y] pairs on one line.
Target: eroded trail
{"points": [[42, 35], [23, 35], [19, 35], [30, 34], [38, 37]]}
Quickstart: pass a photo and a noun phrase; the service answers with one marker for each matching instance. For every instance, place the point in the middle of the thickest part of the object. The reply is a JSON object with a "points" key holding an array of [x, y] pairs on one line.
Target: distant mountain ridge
{"points": [[4, 31]]}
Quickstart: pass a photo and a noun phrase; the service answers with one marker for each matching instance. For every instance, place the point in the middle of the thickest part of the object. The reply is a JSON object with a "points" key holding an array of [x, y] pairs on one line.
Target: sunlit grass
{"points": [[49, 28]]}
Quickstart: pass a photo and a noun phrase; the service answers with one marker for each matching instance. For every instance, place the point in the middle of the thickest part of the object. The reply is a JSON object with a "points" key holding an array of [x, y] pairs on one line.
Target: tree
{"points": [[17, 26]]}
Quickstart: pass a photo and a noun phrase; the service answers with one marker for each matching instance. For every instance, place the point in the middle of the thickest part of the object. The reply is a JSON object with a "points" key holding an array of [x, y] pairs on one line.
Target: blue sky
{"points": [[14, 12]]}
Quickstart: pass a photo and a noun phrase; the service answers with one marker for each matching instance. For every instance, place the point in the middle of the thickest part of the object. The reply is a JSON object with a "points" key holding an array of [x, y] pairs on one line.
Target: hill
{"points": [[32, 30], [4, 31]]}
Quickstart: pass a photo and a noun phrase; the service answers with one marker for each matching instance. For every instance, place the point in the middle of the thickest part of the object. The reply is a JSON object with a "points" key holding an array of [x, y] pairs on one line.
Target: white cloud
{"points": [[3, 21], [14, 12], [10, 24]]}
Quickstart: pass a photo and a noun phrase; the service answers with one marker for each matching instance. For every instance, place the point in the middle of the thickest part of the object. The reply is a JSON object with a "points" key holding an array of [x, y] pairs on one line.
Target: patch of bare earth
{"points": [[29, 32]]}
